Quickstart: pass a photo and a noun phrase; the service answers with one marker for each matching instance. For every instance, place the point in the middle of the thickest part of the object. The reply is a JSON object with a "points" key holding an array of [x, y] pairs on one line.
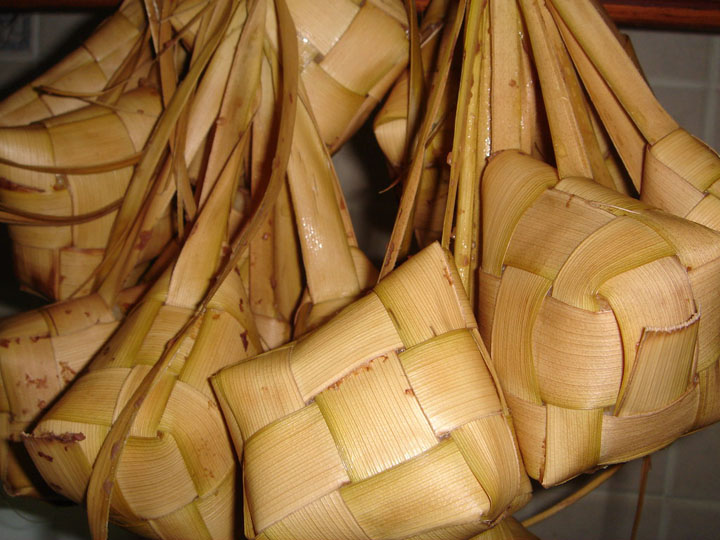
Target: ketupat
{"points": [[41, 353], [592, 305], [69, 166], [108, 61], [385, 422]]}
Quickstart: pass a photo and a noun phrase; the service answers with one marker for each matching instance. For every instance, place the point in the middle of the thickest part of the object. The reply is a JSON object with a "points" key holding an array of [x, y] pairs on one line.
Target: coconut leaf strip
{"points": [[16, 216], [610, 58], [130, 64], [407, 202], [626, 137], [157, 142], [351, 238], [506, 68], [463, 179], [84, 169], [560, 102], [150, 213], [104, 472], [595, 482], [311, 178], [415, 88], [239, 100], [466, 82], [209, 95]]}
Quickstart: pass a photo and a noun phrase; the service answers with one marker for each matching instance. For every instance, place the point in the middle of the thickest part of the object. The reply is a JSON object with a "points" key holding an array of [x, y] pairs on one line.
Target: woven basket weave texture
{"points": [[385, 422], [176, 478], [57, 261], [41, 352], [601, 315]]}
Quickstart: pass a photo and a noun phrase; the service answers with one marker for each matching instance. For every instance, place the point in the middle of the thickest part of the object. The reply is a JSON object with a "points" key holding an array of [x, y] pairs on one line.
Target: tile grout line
{"points": [[664, 521], [713, 89], [676, 83]]}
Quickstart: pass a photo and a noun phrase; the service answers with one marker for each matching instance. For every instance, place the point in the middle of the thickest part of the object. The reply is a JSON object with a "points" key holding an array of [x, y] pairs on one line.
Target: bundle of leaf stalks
{"points": [[571, 322]]}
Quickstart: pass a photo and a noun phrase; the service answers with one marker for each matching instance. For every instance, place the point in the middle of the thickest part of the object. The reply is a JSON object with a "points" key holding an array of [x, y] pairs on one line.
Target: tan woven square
{"points": [[384, 423]]}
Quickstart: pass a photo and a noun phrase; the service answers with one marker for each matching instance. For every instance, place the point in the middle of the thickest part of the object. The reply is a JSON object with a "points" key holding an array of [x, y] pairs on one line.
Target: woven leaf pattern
{"points": [[600, 323], [385, 422]]}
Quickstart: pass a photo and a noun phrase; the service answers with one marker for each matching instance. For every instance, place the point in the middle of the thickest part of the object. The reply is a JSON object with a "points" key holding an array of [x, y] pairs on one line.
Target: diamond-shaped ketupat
{"points": [[385, 422]]}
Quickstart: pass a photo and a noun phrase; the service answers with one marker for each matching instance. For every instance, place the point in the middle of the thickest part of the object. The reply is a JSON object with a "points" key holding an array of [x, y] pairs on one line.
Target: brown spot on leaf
{"points": [[61, 182], [65, 438], [143, 240], [115, 449], [107, 486], [241, 305], [409, 392], [448, 276], [45, 456], [244, 337], [41, 404], [38, 383], [513, 83], [66, 372], [4, 343]]}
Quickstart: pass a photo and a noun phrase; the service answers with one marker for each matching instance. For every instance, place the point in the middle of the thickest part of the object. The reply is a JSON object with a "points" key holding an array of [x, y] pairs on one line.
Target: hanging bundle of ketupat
{"points": [[170, 185]]}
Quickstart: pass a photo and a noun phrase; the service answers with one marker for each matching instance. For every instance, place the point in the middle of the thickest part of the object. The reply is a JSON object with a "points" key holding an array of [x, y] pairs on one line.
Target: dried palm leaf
{"points": [[163, 448], [350, 55], [73, 340], [275, 267], [680, 173], [497, 109], [391, 130], [41, 352], [400, 237], [577, 152], [61, 167], [161, 357], [323, 231], [471, 145], [384, 422], [600, 318]]}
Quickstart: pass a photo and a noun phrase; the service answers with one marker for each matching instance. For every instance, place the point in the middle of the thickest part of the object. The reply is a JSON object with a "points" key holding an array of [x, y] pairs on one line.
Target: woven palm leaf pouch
{"points": [[41, 352], [74, 165], [385, 422], [601, 315]]}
